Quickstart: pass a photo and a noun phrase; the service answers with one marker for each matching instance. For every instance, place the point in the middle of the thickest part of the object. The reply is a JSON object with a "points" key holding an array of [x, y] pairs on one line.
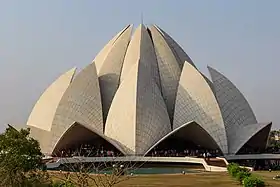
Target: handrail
{"points": [[137, 159]]}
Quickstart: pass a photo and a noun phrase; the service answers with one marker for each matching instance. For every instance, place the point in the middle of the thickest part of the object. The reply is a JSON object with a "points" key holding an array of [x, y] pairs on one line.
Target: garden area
{"points": [[246, 178]]}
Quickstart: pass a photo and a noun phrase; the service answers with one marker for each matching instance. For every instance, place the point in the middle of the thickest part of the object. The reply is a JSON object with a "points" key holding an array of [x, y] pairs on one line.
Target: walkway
{"points": [[253, 157], [182, 160]]}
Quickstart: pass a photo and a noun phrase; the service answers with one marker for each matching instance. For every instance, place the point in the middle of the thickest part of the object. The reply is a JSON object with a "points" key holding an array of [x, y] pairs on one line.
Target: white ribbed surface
{"points": [[196, 102], [44, 110]]}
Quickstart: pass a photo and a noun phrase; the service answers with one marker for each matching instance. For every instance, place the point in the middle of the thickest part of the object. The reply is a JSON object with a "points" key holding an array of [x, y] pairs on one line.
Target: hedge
{"points": [[253, 181], [244, 176]]}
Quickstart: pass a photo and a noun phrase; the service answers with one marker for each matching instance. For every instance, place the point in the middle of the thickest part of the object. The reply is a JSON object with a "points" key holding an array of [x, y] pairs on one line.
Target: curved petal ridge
{"points": [[141, 47], [43, 112], [176, 48], [152, 117], [101, 56], [235, 108], [241, 135], [169, 69], [196, 102], [81, 102], [120, 124], [42, 136], [109, 75], [143, 119]]}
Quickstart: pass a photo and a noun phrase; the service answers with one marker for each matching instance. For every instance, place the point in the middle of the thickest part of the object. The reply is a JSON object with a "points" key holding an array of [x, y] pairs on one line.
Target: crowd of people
{"points": [[182, 153], [269, 150], [88, 150]]}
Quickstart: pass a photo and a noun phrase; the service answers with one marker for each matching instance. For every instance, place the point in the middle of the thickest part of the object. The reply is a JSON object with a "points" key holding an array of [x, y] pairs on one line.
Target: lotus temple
{"points": [[143, 92]]}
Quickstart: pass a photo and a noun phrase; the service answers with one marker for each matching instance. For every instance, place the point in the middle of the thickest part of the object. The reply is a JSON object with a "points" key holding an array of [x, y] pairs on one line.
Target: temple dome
{"points": [[141, 90]]}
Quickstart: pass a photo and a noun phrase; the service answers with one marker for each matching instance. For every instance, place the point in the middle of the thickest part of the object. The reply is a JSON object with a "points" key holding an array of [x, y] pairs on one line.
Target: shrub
{"points": [[233, 169], [244, 176], [241, 175], [63, 184], [253, 181]]}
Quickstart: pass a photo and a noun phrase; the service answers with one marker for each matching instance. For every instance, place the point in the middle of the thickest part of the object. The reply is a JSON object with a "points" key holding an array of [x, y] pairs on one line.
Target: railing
{"points": [[136, 159], [253, 156]]}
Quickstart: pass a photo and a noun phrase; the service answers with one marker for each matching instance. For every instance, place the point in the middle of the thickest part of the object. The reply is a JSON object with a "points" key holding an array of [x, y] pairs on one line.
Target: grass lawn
{"points": [[267, 177], [203, 179], [195, 180], [207, 179]]}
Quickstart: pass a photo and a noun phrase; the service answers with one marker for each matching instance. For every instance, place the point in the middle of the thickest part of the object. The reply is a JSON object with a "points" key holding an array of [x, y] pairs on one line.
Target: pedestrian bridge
{"points": [[140, 159]]}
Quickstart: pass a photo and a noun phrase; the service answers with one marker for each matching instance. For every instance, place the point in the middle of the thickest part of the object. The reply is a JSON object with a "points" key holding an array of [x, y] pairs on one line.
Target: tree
{"points": [[20, 158], [273, 144], [80, 172]]}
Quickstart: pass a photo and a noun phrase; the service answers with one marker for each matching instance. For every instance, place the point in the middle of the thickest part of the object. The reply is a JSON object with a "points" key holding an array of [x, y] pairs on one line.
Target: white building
{"points": [[139, 92]]}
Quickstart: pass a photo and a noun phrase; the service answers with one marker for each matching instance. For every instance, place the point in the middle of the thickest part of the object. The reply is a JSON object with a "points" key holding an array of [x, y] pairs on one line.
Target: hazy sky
{"points": [[39, 40]]}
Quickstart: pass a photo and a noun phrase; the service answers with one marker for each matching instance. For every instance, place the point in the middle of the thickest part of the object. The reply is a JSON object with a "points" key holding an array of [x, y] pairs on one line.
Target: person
{"points": [[204, 155], [208, 155]]}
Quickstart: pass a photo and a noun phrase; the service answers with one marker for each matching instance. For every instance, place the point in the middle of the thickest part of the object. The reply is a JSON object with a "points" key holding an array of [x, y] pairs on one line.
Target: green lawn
{"points": [[203, 179]]}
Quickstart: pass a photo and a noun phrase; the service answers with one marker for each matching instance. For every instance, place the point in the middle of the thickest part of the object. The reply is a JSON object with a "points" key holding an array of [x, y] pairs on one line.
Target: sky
{"points": [[40, 40]]}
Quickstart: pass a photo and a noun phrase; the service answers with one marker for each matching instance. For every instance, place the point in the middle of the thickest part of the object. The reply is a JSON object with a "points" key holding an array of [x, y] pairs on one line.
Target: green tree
{"points": [[20, 155], [272, 143]]}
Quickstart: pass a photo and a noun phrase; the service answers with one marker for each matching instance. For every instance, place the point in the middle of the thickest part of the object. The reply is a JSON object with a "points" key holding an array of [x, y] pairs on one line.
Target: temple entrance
{"points": [[188, 140], [80, 141]]}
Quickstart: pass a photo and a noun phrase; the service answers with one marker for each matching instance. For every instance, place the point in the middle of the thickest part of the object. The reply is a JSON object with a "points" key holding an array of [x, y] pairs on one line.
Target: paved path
{"points": [[136, 159], [253, 157]]}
